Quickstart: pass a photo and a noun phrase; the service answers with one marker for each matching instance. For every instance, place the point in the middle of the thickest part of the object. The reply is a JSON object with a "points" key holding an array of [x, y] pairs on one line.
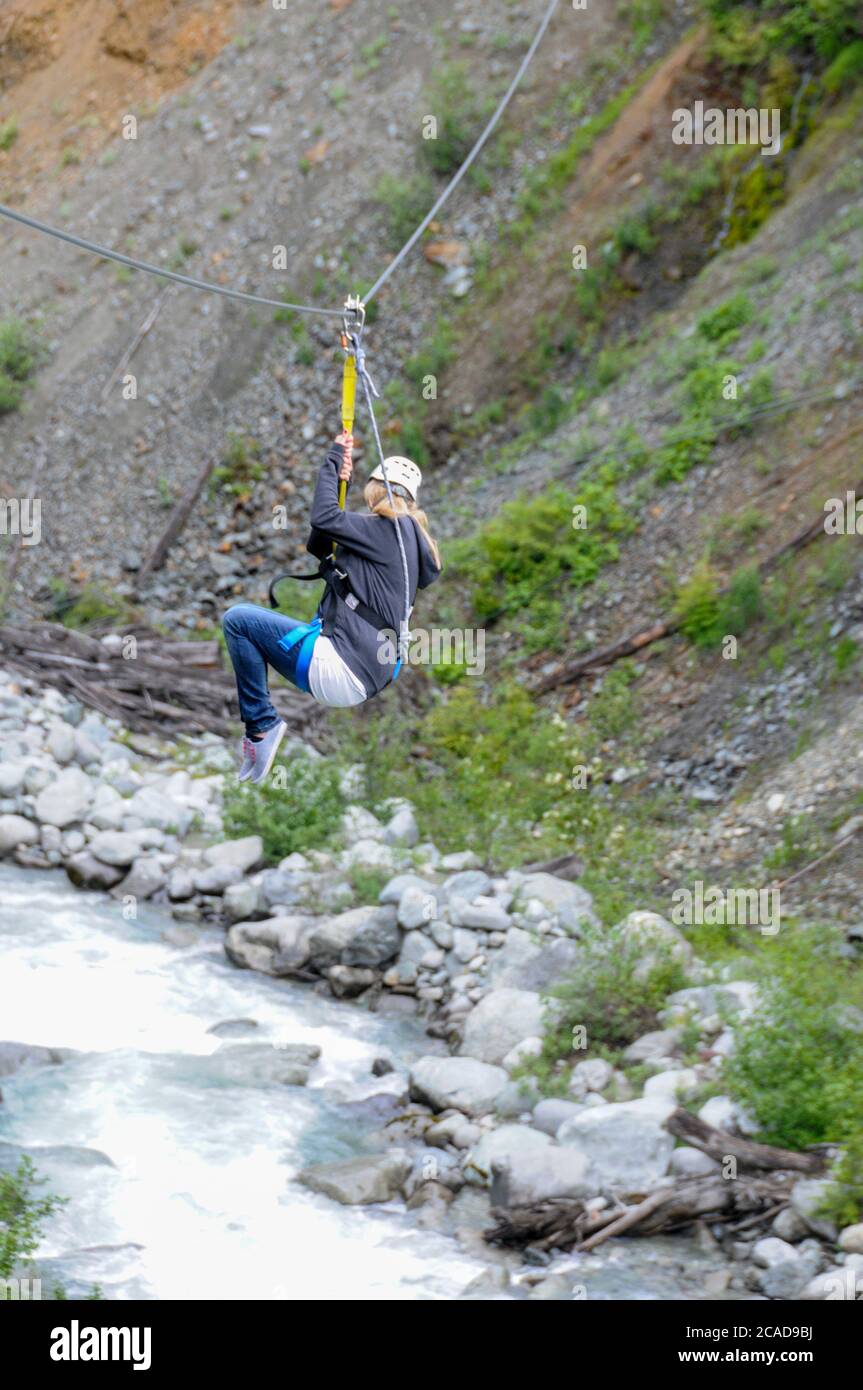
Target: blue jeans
{"points": [[252, 635]]}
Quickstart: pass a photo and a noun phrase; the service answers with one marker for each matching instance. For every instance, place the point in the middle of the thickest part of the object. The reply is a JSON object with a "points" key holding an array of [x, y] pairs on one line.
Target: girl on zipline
{"points": [[344, 656]]}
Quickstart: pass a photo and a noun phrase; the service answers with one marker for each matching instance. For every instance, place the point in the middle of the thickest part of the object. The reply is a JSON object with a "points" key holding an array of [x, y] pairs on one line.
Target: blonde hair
{"points": [[378, 502]]}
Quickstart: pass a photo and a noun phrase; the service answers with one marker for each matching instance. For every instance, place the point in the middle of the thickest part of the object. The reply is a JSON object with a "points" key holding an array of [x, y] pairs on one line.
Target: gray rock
{"points": [[499, 1021], [66, 799], [625, 1142], [275, 946], [469, 884], [282, 887], [115, 847], [721, 1113], [393, 890], [359, 1181], [834, 1285], [807, 1194], [660, 1043], [540, 1174], [61, 742], [216, 878], [550, 1114], [655, 938], [243, 854], [692, 1163], [569, 902], [152, 807], [593, 1074], [788, 1225], [529, 963], [181, 884], [86, 871], [16, 830], [261, 1064], [402, 828], [504, 1145], [242, 900], [361, 936], [770, 1250], [417, 907], [145, 878], [851, 1239], [12, 776], [785, 1279], [485, 914], [517, 1098], [457, 1083], [14, 1056], [347, 981]]}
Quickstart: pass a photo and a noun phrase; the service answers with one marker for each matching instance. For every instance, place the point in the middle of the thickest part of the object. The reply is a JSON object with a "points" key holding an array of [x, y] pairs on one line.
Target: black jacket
{"points": [[368, 551]]}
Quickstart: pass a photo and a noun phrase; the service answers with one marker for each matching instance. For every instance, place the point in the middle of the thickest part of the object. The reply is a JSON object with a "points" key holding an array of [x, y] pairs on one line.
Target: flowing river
{"points": [[179, 1183]]}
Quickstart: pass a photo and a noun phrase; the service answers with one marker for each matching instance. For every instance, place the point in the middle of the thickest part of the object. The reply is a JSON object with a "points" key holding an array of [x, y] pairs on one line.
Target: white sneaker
{"points": [[265, 750], [247, 766]]}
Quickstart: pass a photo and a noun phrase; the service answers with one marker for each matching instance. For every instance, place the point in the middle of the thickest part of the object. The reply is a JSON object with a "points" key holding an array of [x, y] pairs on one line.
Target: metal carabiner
{"points": [[353, 320]]}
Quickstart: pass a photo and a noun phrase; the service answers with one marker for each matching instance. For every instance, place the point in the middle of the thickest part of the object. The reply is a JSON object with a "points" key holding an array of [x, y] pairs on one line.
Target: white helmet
{"points": [[401, 473]]}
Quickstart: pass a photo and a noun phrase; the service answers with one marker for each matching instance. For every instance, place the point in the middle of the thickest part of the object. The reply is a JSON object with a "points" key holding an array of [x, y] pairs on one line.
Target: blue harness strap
{"points": [[306, 635]]}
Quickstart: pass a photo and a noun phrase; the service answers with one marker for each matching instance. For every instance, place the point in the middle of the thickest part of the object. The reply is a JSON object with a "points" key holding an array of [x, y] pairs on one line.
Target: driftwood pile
{"points": [[758, 1192], [140, 677]]}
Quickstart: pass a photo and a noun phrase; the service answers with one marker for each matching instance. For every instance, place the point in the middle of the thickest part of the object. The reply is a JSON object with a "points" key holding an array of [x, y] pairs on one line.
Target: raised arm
{"points": [[363, 534]]}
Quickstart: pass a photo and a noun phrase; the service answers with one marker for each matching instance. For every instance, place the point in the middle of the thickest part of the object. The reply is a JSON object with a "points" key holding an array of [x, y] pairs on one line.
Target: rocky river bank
{"points": [[463, 953]]}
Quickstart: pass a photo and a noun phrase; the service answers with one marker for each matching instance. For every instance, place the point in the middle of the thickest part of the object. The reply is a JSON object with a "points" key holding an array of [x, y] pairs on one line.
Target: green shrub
{"points": [[405, 202], [452, 99], [798, 1058], [723, 324], [845, 70], [610, 994], [532, 541], [697, 606], [21, 1216], [17, 361], [303, 814], [8, 133]]}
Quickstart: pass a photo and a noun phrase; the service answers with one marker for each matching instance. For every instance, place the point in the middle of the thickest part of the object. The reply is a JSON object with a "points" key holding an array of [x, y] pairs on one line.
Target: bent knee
{"points": [[233, 619]]}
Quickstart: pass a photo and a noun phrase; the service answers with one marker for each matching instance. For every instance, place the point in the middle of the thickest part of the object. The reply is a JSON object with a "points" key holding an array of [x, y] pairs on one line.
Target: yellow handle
{"points": [[349, 395]]}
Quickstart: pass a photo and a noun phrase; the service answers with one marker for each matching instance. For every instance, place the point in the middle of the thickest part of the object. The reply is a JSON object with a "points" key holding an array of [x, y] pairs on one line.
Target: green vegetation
{"points": [[17, 362], [532, 541], [240, 468], [452, 99], [405, 202], [707, 614], [298, 808], [89, 607], [8, 133], [797, 1061], [608, 1001], [22, 1213], [748, 33]]}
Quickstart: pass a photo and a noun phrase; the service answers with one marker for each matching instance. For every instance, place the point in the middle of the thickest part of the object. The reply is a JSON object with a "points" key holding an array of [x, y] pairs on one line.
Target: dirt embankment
{"points": [[66, 71]]}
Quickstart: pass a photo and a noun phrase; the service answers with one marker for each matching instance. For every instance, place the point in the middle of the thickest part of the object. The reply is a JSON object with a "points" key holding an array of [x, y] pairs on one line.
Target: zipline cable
{"points": [[190, 280], [462, 170]]}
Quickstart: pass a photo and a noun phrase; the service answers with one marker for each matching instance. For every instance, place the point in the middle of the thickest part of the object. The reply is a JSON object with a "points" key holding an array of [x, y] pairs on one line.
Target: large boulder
{"points": [[538, 1174], [503, 1146], [626, 1143], [807, 1197], [359, 1181], [65, 800], [15, 831], [244, 854], [571, 904], [275, 945], [145, 878], [499, 1021], [457, 1083], [655, 938], [14, 1056], [261, 1064], [86, 871], [152, 807], [549, 1114], [360, 936], [115, 847], [531, 962]]}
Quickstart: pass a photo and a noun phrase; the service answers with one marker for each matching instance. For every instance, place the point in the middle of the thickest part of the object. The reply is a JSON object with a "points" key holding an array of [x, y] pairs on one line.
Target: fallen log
{"points": [[561, 1224], [176, 523], [720, 1145], [167, 683]]}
